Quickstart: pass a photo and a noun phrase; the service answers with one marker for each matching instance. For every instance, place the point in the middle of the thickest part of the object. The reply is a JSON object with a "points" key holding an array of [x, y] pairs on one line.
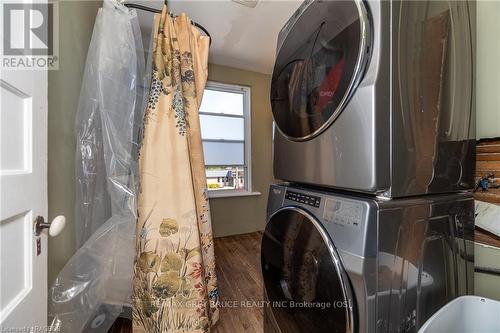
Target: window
{"points": [[225, 132]]}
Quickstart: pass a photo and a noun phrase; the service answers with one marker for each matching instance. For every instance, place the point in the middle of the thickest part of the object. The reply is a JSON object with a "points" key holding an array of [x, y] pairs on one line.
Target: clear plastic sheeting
{"points": [[96, 284], [108, 120]]}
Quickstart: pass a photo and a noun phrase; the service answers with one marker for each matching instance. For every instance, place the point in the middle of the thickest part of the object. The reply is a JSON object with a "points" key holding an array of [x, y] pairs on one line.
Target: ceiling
{"points": [[242, 37]]}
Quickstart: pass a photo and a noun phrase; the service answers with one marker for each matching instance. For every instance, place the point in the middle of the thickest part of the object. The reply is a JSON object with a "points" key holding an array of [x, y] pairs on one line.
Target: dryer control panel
{"points": [[310, 200]]}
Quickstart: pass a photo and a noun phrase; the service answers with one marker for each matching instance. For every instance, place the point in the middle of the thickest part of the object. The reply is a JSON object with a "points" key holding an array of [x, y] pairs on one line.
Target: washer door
{"points": [[303, 277], [318, 66]]}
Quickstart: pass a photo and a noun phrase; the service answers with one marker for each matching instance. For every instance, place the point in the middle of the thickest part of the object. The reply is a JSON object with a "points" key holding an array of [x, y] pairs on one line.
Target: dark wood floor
{"points": [[121, 325], [239, 277], [240, 283]]}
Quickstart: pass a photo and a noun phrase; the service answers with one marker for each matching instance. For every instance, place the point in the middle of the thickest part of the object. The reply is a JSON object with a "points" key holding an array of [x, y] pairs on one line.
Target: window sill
{"points": [[231, 194]]}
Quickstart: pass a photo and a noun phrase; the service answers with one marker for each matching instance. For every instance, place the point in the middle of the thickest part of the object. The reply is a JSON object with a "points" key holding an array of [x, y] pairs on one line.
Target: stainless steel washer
{"points": [[376, 96], [339, 263]]}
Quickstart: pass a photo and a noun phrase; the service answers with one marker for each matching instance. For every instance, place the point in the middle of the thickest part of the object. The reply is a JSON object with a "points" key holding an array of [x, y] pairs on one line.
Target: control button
{"points": [[303, 198]]}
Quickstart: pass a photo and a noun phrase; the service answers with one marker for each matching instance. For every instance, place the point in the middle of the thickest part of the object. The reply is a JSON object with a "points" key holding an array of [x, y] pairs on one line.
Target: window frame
{"points": [[247, 138]]}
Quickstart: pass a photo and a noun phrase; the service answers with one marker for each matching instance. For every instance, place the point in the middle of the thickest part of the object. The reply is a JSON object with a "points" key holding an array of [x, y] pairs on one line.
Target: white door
{"points": [[23, 187]]}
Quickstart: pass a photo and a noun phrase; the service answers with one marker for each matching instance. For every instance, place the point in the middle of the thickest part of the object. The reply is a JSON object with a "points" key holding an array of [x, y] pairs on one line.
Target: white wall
{"points": [[487, 285], [487, 121], [488, 69]]}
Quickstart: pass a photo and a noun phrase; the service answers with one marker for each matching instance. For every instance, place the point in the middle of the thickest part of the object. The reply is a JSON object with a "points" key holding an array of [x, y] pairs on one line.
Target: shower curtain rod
{"points": [[155, 10]]}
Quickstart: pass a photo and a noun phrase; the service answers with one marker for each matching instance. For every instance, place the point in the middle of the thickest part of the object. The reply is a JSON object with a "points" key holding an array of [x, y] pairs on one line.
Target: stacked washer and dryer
{"points": [[373, 103]]}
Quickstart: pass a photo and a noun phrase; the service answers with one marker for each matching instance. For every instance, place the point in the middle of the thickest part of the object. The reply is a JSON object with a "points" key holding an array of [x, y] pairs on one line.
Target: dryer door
{"points": [[304, 281], [320, 61]]}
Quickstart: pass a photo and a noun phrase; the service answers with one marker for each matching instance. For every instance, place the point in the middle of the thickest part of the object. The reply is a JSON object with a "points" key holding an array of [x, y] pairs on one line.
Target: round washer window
{"points": [[303, 278], [318, 66]]}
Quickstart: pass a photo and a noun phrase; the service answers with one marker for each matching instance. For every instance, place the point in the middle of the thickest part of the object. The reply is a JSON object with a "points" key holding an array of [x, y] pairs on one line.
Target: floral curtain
{"points": [[175, 287]]}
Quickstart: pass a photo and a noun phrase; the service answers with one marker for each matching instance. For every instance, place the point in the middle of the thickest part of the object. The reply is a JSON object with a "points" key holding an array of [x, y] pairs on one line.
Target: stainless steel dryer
{"points": [[376, 96], [337, 263]]}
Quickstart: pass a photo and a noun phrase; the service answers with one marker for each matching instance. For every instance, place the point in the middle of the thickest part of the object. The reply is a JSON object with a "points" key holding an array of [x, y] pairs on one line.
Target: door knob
{"points": [[55, 227]]}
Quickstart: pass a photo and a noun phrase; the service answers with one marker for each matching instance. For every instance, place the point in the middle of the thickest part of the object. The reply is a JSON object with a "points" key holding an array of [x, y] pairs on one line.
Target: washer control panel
{"points": [[343, 212], [310, 200]]}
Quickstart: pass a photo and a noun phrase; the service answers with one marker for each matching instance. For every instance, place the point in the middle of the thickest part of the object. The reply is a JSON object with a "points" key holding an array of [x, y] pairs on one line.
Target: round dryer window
{"points": [[322, 57], [304, 280]]}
